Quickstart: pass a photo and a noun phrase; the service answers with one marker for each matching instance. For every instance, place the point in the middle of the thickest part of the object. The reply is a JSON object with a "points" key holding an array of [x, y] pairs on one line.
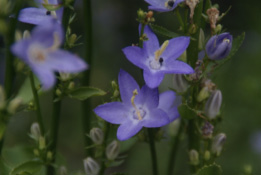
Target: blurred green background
{"points": [[115, 27]]}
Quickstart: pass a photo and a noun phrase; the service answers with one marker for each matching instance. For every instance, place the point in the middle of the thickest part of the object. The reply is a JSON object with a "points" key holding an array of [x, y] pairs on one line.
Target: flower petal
{"points": [[64, 61], [167, 104], [176, 47], [152, 44], [153, 80], [156, 118], [135, 55], [45, 75], [127, 85], [19, 49], [148, 96], [177, 67], [34, 15], [114, 112], [128, 129]]}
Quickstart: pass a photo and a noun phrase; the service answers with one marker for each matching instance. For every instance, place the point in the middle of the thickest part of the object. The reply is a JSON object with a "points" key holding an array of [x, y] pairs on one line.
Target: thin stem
{"points": [[141, 35], [180, 19], [174, 148], [106, 131], [86, 106], [153, 151], [37, 104]]}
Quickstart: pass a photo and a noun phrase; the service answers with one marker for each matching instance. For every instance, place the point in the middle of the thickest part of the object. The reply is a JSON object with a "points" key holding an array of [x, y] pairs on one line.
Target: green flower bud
{"points": [[91, 167], [113, 150], [248, 169], [174, 127], [217, 144], [36, 152], [201, 40], [71, 85], [42, 144], [203, 94], [58, 92], [63, 170], [35, 131], [49, 155], [193, 157], [72, 40], [207, 155], [97, 135], [18, 35], [180, 84], [14, 105], [26, 34]]}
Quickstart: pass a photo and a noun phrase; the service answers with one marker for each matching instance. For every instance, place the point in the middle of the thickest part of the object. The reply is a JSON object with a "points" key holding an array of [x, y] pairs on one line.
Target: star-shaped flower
{"points": [[163, 5], [39, 15], [157, 61], [42, 54], [139, 108]]}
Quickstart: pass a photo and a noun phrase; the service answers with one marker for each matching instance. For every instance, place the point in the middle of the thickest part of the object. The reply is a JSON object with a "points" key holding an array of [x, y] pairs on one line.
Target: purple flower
{"points": [[157, 61], [39, 15], [219, 46], [163, 5], [139, 108], [42, 54]]}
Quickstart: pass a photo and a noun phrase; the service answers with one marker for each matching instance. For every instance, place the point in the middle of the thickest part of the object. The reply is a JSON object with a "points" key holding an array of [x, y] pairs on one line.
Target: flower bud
{"points": [[18, 35], [35, 131], [203, 94], [180, 84], [193, 157], [49, 155], [219, 46], [72, 40], [97, 135], [2, 98], [91, 167], [71, 85], [63, 170], [113, 150], [42, 143], [201, 39], [213, 104], [207, 155], [14, 105], [218, 143], [207, 130], [174, 127], [26, 34]]}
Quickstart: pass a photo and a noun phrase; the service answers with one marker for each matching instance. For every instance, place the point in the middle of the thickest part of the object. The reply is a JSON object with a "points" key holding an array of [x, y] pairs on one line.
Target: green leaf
{"points": [[2, 129], [119, 174], [163, 31], [213, 169], [28, 168], [237, 42], [83, 93], [52, 7], [3, 167], [115, 163], [186, 112]]}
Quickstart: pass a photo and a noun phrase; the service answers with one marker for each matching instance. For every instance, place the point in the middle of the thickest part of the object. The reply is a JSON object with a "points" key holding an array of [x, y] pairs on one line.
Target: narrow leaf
{"points": [[30, 167], [163, 31], [83, 93]]}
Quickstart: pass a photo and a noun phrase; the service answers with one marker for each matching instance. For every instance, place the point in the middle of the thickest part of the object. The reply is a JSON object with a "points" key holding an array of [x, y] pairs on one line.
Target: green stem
{"points": [[86, 106], [106, 131], [174, 148], [37, 104], [141, 35], [153, 151], [180, 19]]}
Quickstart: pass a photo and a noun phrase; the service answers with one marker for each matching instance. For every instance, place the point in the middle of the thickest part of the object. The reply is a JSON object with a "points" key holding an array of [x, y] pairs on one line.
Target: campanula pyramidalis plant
{"points": [[163, 5], [42, 54], [139, 108], [156, 61], [39, 15], [219, 46]]}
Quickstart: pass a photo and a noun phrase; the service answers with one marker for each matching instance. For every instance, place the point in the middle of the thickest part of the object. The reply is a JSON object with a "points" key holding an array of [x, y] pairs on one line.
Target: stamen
{"points": [[56, 42], [159, 52], [226, 40], [135, 92]]}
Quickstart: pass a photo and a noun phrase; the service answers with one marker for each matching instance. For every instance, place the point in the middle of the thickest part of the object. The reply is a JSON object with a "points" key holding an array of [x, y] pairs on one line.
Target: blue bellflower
{"points": [[219, 46], [163, 5], [139, 108], [42, 54], [157, 61], [39, 15]]}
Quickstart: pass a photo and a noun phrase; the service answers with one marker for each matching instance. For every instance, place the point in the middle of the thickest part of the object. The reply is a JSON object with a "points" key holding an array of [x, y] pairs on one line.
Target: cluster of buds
{"points": [[145, 17]]}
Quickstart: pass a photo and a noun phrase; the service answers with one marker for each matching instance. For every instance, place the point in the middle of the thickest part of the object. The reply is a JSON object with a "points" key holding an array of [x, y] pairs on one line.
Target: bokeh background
{"points": [[115, 27]]}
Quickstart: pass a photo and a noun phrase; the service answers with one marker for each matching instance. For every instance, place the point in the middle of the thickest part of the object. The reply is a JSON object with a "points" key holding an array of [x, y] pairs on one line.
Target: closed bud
{"points": [[218, 29], [49, 155], [18, 35], [248, 170], [207, 130], [141, 15], [35, 131], [217, 144], [26, 34], [97, 135], [91, 167], [71, 85], [213, 104], [58, 92], [219, 46], [203, 94], [113, 150], [36, 152], [207, 155], [180, 84], [63, 170], [65, 76], [2, 98], [174, 127], [193, 157], [14, 105], [201, 39]]}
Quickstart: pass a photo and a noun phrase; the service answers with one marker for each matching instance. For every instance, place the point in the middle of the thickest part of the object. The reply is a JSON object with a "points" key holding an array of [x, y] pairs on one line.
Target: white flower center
{"points": [[37, 53], [156, 63]]}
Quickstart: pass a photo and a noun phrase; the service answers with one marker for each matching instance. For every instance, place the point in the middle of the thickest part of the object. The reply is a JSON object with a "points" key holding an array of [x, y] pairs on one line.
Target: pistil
{"points": [[135, 92]]}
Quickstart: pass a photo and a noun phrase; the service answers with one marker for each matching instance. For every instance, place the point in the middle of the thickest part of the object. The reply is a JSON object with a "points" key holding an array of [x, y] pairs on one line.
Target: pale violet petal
{"points": [[155, 118], [45, 76], [135, 55], [176, 67], [153, 80], [148, 96], [152, 44], [128, 129]]}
